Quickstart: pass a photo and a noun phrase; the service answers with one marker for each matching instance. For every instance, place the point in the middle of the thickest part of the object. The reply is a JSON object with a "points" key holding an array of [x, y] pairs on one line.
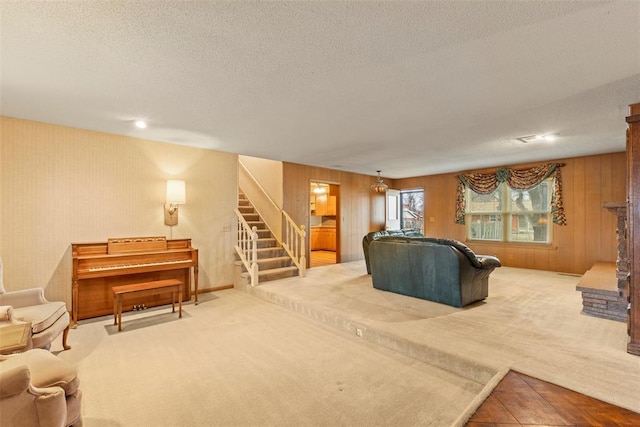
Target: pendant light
{"points": [[379, 186]]}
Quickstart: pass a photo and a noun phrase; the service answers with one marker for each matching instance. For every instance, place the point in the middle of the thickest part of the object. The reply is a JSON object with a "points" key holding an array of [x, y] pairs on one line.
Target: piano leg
{"points": [[195, 281]]}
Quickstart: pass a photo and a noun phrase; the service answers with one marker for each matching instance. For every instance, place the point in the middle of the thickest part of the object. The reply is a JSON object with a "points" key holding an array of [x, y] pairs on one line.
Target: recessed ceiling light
{"points": [[141, 124]]}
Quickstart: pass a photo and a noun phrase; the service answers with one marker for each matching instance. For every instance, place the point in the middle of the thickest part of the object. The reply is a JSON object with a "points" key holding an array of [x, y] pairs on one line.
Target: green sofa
{"points": [[370, 237], [440, 270]]}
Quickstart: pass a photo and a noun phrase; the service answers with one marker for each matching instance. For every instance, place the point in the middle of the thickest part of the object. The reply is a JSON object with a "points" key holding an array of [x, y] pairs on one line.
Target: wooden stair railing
{"points": [[293, 239], [287, 233], [247, 247]]}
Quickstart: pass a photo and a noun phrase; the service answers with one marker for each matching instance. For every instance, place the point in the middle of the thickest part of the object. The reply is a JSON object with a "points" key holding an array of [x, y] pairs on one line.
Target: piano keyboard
{"points": [[123, 266]]}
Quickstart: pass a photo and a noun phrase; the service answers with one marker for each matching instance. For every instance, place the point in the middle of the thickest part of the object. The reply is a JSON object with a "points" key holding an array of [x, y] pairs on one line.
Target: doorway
{"points": [[324, 200], [412, 215]]}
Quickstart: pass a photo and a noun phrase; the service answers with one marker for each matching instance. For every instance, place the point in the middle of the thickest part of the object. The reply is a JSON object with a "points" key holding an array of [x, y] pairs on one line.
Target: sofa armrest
{"points": [[7, 317], [6, 313], [23, 298], [488, 261], [14, 381]]}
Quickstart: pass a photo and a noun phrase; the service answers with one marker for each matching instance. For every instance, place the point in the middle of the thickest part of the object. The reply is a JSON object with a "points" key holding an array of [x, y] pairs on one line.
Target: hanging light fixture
{"points": [[379, 186]]}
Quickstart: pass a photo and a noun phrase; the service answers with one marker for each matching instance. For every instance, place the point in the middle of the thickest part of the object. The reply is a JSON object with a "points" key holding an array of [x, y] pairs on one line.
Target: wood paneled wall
{"points": [[588, 237], [358, 212]]}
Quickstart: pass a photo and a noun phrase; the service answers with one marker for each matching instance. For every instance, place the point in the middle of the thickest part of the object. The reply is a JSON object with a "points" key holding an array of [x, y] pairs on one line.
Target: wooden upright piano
{"points": [[97, 267]]}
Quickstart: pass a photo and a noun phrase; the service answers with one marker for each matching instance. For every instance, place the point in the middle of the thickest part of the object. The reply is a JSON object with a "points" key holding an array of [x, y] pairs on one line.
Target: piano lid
{"points": [[123, 245]]}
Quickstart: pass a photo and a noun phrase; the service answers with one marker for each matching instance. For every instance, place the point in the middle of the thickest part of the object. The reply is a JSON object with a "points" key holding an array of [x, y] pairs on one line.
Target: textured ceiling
{"points": [[410, 88]]}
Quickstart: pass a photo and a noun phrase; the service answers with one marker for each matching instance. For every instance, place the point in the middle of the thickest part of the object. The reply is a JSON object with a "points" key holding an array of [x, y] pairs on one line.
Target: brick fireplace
{"points": [[604, 286]]}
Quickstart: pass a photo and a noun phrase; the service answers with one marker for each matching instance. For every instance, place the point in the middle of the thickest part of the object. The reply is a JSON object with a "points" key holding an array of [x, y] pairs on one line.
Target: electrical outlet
{"points": [[359, 332]]}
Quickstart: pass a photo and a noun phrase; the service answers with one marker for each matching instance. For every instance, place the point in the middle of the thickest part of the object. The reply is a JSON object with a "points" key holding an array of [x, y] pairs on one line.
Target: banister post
{"points": [[303, 252]]}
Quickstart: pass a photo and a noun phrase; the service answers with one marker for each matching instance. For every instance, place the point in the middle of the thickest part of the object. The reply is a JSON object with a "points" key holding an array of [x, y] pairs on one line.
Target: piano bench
{"points": [[145, 289]]}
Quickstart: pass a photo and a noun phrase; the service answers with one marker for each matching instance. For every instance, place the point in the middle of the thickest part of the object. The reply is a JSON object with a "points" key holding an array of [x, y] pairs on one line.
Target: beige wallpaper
{"points": [[268, 173], [62, 185]]}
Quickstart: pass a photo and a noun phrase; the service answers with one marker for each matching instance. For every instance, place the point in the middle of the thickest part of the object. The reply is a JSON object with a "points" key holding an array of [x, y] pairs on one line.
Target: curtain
{"points": [[518, 179]]}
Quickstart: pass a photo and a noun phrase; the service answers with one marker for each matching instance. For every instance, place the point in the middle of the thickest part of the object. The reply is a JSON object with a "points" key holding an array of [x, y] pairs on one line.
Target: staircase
{"points": [[273, 261]]}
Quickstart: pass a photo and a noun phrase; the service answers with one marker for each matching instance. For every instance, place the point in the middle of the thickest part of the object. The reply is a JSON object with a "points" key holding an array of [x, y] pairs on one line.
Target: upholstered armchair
{"points": [[37, 389], [48, 319]]}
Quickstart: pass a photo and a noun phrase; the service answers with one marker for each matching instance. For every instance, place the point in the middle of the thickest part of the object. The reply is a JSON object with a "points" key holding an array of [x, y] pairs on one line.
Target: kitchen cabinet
{"points": [[331, 206], [330, 238], [315, 239], [324, 205], [323, 238]]}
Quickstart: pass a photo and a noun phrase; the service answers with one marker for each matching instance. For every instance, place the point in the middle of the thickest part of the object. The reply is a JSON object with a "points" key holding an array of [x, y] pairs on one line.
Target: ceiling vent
{"points": [[533, 138]]}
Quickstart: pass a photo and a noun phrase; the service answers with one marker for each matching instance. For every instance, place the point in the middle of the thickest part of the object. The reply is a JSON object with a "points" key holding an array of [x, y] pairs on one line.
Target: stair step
{"points": [[267, 243], [263, 234], [277, 273], [246, 209], [270, 252], [265, 264], [271, 263], [251, 217], [257, 224]]}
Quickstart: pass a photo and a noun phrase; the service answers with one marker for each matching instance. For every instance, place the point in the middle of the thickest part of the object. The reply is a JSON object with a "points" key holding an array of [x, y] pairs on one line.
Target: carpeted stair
{"points": [[273, 261]]}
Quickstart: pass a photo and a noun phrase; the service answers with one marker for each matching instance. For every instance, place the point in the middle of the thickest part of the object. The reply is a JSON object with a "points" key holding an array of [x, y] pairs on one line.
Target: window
{"points": [[509, 215], [412, 209]]}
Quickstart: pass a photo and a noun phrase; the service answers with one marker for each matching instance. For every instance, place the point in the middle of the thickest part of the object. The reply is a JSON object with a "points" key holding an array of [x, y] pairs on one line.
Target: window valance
{"points": [[518, 179]]}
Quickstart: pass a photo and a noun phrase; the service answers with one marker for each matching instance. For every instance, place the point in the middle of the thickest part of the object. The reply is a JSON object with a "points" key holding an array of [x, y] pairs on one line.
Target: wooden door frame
{"points": [[338, 222]]}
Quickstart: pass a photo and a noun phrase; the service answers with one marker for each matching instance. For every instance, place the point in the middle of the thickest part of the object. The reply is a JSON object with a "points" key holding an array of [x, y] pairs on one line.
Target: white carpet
{"points": [[236, 360], [531, 322]]}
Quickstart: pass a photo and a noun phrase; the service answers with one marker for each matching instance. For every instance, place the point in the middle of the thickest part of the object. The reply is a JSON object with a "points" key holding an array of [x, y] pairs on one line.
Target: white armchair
{"points": [[37, 389], [47, 405], [48, 319]]}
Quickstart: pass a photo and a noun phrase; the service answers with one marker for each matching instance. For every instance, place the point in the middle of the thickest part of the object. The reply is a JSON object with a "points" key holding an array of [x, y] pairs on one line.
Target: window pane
{"points": [[485, 202], [529, 227], [536, 199], [486, 227]]}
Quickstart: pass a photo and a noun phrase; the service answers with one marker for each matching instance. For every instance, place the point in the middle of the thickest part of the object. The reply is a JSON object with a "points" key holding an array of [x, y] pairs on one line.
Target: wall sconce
{"points": [[176, 195]]}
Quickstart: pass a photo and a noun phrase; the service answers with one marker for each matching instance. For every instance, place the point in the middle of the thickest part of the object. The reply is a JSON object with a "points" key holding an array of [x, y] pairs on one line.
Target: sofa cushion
{"points": [[6, 313], [41, 316], [46, 369]]}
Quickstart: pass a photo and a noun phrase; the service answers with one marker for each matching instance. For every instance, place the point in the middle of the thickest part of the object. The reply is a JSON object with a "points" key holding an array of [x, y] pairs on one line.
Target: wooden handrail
{"points": [[293, 242]]}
